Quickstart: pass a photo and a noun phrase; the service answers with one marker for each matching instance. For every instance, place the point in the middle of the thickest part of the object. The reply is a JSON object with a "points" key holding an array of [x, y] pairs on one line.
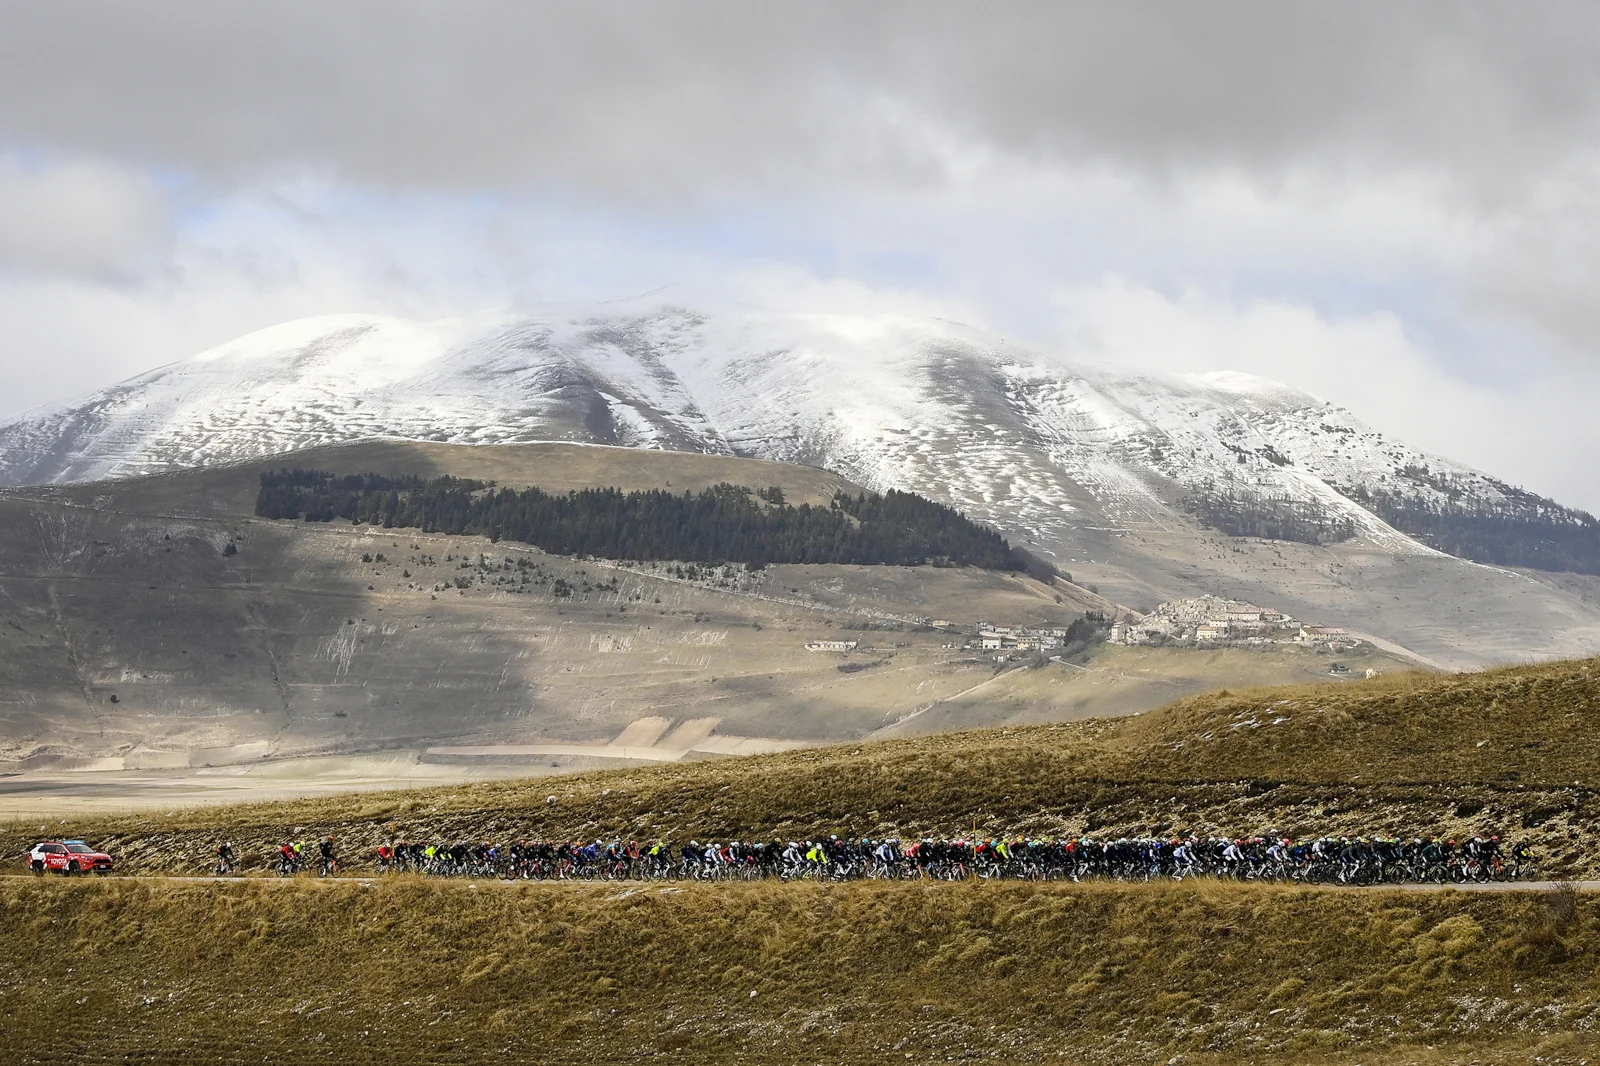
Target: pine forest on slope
{"points": [[1520, 530], [724, 523], [1241, 513]]}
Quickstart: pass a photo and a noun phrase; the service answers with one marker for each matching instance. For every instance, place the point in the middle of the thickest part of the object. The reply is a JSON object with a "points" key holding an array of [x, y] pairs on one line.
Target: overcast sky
{"points": [[1395, 206]]}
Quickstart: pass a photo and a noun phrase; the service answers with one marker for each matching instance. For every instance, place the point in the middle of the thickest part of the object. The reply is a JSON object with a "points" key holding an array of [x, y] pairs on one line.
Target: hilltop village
{"points": [[1210, 621], [1200, 622]]}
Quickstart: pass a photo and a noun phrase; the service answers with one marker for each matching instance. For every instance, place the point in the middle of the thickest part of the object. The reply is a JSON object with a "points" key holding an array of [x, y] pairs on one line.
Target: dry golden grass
{"points": [[1533, 725], [555, 467], [407, 971], [1514, 751]]}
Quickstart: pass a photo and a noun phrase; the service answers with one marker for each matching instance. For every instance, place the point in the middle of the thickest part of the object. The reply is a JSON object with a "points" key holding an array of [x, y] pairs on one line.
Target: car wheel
{"points": [[72, 867], [38, 867]]}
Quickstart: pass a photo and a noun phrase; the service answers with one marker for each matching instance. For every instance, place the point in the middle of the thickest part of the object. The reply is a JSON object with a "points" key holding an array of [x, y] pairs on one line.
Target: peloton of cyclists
{"points": [[1326, 859]]}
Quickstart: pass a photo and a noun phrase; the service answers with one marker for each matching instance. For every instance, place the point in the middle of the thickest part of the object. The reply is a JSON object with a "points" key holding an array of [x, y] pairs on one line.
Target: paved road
{"points": [[1493, 886]]}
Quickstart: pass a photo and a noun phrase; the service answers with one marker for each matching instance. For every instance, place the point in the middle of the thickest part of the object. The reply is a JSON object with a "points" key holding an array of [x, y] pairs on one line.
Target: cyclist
{"points": [[1493, 857], [660, 857], [225, 858], [330, 862], [1232, 858], [1182, 860], [615, 860]]}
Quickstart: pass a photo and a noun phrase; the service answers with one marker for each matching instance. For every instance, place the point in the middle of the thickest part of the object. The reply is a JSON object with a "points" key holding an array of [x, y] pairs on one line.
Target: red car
{"points": [[68, 857]]}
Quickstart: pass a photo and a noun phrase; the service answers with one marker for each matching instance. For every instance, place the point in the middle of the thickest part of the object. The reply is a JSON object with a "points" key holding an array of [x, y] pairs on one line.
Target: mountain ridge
{"points": [[1113, 475], [683, 381]]}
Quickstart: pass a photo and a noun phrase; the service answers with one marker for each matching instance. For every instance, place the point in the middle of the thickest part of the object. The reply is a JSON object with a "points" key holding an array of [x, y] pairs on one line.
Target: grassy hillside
{"points": [[406, 971], [231, 490], [156, 623], [1119, 679], [1534, 726], [1509, 751], [1203, 974]]}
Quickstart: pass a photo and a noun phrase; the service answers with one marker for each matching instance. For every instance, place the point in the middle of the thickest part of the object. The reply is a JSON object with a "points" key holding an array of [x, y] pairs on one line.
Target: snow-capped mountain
{"points": [[1036, 444], [1097, 468]]}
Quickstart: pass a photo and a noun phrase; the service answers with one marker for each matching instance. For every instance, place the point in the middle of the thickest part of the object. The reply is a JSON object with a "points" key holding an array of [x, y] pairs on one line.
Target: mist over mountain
{"points": [[1147, 485], [1015, 434]]}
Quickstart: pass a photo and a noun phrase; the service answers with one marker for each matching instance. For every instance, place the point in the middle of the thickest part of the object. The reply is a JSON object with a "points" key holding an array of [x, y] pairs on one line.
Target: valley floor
{"points": [[1109, 681], [55, 794]]}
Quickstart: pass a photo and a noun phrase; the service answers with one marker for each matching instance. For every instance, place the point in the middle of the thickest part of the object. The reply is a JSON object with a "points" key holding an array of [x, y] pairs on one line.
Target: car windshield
{"points": [[80, 849]]}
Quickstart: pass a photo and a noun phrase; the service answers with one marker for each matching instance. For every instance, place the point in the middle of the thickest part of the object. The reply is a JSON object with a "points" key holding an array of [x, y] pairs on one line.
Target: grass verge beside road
{"points": [[1514, 752], [410, 971]]}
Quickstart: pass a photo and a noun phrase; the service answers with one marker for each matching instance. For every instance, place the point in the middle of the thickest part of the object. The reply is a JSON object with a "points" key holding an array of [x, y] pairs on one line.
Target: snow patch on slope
{"points": [[1024, 439]]}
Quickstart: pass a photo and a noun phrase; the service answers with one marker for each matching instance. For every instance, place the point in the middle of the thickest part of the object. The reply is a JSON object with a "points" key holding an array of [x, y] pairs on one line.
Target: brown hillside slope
{"points": [[1512, 751], [404, 971], [554, 467], [1536, 725], [131, 633], [133, 638]]}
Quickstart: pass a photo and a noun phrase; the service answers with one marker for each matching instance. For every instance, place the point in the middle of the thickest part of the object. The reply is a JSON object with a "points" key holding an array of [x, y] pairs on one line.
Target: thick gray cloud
{"points": [[1329, 190], [89, 220], [653, 99]]}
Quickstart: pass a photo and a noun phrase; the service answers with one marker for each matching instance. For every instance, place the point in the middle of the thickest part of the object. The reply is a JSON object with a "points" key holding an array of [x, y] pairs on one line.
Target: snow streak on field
{"points": [[1023, 439]]}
